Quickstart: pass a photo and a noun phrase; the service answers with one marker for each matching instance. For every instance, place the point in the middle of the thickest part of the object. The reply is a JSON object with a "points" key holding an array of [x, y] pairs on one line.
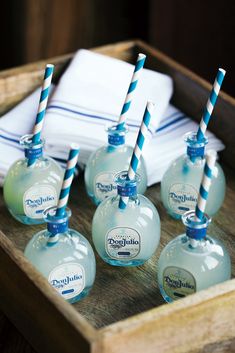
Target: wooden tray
{"points": [[124, 312]]}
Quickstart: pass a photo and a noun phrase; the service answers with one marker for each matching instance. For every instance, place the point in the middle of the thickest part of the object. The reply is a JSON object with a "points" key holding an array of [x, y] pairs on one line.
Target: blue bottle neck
{"points": [[127, 187], [195, 148], [116, 138], [56, 224], [32, 150], [195, 230]]}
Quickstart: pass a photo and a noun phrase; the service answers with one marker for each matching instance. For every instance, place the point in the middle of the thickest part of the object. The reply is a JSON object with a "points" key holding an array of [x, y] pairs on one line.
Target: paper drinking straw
{"points": [[138, 149], [205, 185], [68, 178], [135, 77], [42, 107], [210, 104]]}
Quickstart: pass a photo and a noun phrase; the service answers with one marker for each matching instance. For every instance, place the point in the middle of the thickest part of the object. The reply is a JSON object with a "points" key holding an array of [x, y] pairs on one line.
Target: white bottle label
{"points": [[182, 198], [178, 283], [122, 243], [37, 198], [104, 185], [68, 279]]}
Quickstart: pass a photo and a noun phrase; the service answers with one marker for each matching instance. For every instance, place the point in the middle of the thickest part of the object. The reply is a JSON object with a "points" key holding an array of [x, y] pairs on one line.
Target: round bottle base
{"points": [[165, 296], [94, 200], [79, 297], [123, 263]]}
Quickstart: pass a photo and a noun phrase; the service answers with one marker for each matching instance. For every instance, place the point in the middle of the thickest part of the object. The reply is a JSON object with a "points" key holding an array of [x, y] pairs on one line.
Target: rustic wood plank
{"points": [[184, 326]]}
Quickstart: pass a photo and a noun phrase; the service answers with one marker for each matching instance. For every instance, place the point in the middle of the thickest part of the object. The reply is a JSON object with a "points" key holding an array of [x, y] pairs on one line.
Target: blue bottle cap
{"points": [[116, 137], [31, 150], [56, 224], [194, 147], [194, 229], [126, 187]]}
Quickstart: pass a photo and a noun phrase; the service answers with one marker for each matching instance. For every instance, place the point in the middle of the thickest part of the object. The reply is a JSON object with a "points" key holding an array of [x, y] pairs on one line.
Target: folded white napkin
{"points": [[89, 97]]}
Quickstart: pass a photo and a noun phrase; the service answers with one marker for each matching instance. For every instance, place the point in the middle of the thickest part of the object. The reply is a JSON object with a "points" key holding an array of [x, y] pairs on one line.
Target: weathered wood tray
{"points": [[124, 312]]}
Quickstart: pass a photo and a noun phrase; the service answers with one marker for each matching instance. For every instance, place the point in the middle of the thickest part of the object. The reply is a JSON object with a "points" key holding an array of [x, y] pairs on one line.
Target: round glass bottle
{"points": [[63, 256], [130, 236], [192, 261], [181, 181], [29, 190], [106, 162]]}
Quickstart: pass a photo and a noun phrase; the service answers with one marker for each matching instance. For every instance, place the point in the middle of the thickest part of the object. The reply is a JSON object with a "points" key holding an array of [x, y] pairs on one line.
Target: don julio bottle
{"points": [[130, 236], [106, 162], [180, 183], [28, 190], [63, 256], [192, 261]]}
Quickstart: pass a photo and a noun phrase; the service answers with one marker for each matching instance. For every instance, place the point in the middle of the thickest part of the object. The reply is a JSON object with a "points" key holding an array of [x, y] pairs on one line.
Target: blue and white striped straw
{"points": [[129, 96], [42, 107], [205, 185], [138, 149], [68, 178], [210, 104]]}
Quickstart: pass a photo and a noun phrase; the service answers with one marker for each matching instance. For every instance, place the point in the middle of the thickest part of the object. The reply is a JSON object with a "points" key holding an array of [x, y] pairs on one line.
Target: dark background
{"points": [[198, 34]]}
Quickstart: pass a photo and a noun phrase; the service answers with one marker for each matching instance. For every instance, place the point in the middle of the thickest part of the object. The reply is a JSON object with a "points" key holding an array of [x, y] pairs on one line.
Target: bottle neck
{"points": [[195, 229], [195, 148], [116, 140], [33, 153], [195, 153]]}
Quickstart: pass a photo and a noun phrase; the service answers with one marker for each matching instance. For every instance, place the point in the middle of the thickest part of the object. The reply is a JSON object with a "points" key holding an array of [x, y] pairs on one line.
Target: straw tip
{"points": [[141, 56], [150, 105], [222, 71], [74, 146], [50, 66]]}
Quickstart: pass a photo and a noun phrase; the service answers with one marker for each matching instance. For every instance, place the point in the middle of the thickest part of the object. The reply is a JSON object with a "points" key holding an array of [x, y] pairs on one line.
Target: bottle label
{"points": [[182, 198], [68, 279], [178, 283], [37, 198], [104, 185], [122, 243]]}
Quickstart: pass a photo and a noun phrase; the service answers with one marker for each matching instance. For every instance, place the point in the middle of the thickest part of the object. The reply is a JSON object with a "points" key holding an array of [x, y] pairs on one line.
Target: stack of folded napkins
{"points": [[87, 99]]}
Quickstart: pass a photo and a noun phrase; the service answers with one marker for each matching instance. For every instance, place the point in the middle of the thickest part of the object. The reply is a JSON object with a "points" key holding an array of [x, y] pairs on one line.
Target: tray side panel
{"points": [[193, 324], [46, 320]]}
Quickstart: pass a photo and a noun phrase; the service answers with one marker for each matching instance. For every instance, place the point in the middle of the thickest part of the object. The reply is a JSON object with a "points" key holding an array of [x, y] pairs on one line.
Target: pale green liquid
{"points": [[114, 160], [20, 178], [185, 177], [209, 263], [72, 247], [140, 215]]}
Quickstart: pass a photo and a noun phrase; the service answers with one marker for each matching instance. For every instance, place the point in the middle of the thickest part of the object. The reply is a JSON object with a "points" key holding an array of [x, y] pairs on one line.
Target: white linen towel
{"points": [[89, 96]]}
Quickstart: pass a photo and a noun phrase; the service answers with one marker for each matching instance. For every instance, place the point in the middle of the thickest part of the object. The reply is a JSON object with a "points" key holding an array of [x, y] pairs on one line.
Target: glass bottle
{"points": [[181, 181], [192, 261], [130, 236], [63, 256], [106, 162], [28, 190]]}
